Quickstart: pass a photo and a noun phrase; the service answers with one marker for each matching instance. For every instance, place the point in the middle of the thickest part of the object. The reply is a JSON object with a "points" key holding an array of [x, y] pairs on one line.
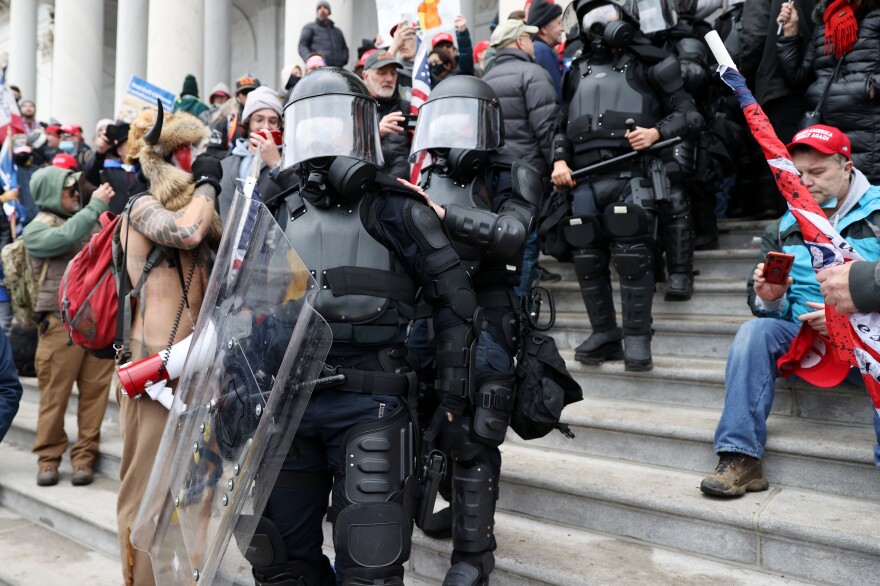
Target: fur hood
{"points": [[862, 8], [171, 186]]}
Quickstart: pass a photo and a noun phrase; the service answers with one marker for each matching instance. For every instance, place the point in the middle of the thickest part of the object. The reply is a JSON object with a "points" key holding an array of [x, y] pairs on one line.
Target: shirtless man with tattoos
{"points": [[178, 214]]}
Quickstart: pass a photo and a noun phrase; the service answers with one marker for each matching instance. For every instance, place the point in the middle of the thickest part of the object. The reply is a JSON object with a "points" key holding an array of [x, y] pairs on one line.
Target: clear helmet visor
{"points": [[457, 123], [330, 126], [656, 15]]}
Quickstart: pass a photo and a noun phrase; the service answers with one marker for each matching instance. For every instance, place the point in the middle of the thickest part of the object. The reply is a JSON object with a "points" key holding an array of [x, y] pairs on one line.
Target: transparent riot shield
{"points": [[256, 356]]}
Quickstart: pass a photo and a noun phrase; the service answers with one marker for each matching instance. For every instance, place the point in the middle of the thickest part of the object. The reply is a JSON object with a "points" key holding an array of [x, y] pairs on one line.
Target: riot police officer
{"points": [[370, 249], [487, 206], [620, 76]]}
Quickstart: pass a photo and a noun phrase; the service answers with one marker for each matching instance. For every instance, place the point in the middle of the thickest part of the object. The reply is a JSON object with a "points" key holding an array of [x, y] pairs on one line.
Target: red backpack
{"points": [[94, 289]]}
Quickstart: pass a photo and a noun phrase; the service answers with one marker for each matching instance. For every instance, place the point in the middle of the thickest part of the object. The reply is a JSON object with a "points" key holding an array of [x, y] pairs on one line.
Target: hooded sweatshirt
{"points": [[55, 236]]}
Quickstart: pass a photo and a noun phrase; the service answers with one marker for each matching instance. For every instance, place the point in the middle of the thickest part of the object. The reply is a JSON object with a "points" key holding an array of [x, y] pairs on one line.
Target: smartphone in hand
{"points": [[777, 265], [274, 135]]}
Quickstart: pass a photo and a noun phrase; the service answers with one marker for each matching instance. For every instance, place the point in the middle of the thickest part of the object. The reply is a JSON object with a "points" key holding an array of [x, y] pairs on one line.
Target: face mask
{"points": [[67, 146], [437, 69]]}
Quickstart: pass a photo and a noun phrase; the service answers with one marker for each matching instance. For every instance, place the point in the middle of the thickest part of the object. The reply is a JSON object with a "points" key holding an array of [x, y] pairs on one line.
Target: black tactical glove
{"points": [[207, 169]]}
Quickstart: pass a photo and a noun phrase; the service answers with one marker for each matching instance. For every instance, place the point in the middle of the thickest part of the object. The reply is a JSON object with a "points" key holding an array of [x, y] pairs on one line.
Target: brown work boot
{"points": [[735, 475], [48, 475], [82, 475]]}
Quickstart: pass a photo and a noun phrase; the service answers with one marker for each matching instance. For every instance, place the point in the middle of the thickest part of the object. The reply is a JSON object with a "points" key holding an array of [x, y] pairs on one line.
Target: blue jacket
{"points": [[10, 388], [547, 58], [859, 227]]}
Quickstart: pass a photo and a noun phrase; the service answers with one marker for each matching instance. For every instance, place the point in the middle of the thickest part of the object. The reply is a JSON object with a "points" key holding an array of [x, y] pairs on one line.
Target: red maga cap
{"points": [[65, 161], [812, 358], [441, 38], [825, 139]]}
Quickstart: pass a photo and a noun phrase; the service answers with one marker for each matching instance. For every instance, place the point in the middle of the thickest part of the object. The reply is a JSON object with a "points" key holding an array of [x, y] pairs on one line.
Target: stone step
{"points": [[35, 554], [741, 233], [826, 457], [712, 298], [23, 432], [792, 531], [731, 264], [699, 382], [530, 551], [673, 335]]}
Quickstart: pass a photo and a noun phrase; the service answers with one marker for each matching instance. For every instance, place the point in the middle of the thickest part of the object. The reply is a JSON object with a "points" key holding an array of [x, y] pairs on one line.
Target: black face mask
{"points": [[437, 69]]}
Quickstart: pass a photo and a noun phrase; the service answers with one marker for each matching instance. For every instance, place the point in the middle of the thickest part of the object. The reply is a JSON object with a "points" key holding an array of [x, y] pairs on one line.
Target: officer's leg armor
{"points": [[474, 492], [267, 555], [372, 532], [678, 241], [591, 258], [630, 228]]}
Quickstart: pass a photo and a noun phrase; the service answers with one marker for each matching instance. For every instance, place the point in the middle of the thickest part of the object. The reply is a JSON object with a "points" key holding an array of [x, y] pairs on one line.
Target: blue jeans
{"points": [[749, 379]]}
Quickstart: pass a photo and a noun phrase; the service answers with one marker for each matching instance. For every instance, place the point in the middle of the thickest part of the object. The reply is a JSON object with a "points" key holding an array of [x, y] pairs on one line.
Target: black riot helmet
{"points": [[602, 24], [331, 113], [461, 122]]}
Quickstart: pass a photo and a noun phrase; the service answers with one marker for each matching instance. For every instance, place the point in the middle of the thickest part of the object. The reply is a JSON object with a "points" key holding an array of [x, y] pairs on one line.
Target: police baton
{"points": [[591, 169]]}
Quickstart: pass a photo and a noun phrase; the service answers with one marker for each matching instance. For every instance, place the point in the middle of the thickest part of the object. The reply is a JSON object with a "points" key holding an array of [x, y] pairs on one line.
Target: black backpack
{"points": [[23, 340], [543, 385]]}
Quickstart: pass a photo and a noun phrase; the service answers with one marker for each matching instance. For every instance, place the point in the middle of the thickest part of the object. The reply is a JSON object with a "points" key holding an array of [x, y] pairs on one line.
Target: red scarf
{"points": [[841, 28]]}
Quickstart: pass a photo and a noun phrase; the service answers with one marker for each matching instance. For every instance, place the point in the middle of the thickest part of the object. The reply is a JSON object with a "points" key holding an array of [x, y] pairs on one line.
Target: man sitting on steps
{"points": [[791, 310]]}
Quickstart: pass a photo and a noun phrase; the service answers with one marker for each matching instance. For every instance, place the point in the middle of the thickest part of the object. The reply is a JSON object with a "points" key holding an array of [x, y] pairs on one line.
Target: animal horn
{"points": [[152, 137]]}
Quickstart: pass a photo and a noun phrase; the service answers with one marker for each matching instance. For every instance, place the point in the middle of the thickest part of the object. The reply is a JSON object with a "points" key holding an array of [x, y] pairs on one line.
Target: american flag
{"points": [[855, 340], [11, 121], [421, 90]]}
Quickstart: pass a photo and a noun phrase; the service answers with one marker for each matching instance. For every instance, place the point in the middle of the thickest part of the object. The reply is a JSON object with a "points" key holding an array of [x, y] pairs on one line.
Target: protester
{"points": [[220, 141], [461, 57], [380, 75], [10, 387], [480, 56], [441, 65], [323, 37], [29, 116], [23, 155], [65, 161], [294, 74], [790, 312], [489, 55], [841, 60], [528, 102], [106, 165], [547, 17], [219, 95], [176, 213], [262, 112], [403, 47], [52, 239], [189, 100]]}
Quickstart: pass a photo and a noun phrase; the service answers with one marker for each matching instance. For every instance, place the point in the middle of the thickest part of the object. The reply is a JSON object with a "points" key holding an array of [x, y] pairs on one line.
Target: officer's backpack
{"points": [[19, 278]]}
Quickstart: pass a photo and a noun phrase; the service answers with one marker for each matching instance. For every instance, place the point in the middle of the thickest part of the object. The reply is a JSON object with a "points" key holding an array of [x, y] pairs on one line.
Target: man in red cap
{"points": [[790, 335]]}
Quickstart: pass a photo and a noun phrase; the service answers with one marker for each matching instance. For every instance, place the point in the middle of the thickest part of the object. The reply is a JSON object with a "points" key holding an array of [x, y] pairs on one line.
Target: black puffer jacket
{"points": [[316, 37], [528, 104], [848, 106]]}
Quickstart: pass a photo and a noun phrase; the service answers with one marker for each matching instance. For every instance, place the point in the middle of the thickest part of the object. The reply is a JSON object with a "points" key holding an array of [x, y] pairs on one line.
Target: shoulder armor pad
{"points": [[526, 182], [649, 53], [666, 75]]}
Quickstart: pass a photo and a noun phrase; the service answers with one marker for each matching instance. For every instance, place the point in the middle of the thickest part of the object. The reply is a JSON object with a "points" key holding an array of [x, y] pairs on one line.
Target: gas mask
{"points": [[329, 180], [605, 30], [463, 164]]}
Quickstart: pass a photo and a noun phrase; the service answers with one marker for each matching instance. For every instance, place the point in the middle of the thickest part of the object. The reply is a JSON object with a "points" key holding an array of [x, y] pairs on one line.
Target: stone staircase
{"points": [[619, 504]]}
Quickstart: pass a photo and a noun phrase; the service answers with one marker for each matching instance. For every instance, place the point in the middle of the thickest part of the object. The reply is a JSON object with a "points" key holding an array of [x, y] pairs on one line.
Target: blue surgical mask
{"points": [[830, 204], [67, 146]]}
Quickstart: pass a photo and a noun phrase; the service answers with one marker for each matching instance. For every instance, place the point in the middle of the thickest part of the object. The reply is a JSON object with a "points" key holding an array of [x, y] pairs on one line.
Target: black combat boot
{"points": [[594, 278]]}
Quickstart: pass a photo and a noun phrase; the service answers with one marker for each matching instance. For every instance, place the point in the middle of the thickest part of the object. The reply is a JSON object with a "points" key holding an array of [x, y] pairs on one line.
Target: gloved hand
{"points": [[207, 169]]}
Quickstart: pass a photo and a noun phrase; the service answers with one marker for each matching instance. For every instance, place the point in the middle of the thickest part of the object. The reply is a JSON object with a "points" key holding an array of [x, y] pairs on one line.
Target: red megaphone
{"points": [[136, 377]]}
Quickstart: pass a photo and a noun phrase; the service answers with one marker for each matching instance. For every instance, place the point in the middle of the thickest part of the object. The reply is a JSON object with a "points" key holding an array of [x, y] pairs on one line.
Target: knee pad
{"points": [[493, 404], [633, 260], [626, 222], [267, 555], [373, 540], [583, 232], [379, 458], [374, 576], [591, 263], [474, 492]]}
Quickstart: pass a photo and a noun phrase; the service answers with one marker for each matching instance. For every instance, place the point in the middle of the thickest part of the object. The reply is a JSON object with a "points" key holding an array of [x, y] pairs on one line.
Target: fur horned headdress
{"points": [[152, 143]]}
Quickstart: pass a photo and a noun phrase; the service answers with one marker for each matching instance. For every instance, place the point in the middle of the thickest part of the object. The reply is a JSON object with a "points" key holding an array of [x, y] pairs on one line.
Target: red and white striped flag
{"points": [[421, 91], [855, 338]]}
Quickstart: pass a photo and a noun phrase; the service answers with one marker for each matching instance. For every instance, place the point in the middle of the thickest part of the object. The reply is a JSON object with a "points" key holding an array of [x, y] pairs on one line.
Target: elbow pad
{"points": [[450, 284], [494, 232]]}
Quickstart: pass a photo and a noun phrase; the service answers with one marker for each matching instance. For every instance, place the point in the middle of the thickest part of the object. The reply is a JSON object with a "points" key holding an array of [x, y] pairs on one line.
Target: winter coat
{"points": [[528, 106], [326, 39], [99, 169], [548, 58], [395, 147], [848, 106], [860, 227], [58, 242], [10, 387]]}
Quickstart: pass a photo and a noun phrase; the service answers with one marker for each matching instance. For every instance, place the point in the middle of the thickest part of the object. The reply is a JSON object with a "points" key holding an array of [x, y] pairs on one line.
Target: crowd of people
{"points": [[598, 135]]}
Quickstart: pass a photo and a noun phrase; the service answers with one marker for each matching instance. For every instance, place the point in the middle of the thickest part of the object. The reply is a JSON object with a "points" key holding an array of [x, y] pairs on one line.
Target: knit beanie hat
{"points": [[262, 97], [190, 86], [542, 12]]}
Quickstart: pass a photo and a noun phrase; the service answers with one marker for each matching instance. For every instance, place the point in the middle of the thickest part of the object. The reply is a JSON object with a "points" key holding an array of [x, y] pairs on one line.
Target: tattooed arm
{"points": [[182, 229]]}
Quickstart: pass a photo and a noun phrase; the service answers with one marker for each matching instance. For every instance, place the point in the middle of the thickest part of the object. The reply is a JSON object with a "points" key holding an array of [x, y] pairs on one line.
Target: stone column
{"points": [[505, 7], [175, 43], [23, 47], [297, 14], [218, 44], [131, 45], [78, 62]]}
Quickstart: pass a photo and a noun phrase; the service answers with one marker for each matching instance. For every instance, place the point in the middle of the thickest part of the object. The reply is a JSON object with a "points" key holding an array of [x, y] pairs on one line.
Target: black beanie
{"points": [[190, 87], [542, 12]]}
